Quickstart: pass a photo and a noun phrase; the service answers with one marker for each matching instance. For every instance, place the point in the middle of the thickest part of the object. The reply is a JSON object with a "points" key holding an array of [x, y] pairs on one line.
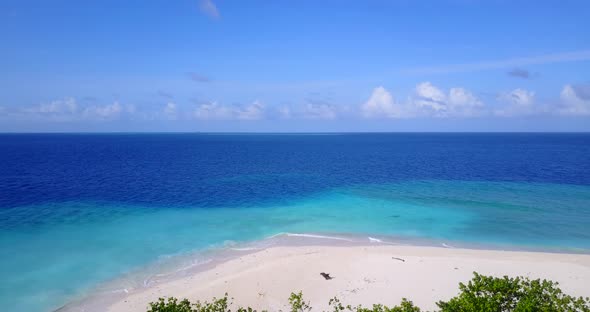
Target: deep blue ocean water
{"points": [[77, 210]]}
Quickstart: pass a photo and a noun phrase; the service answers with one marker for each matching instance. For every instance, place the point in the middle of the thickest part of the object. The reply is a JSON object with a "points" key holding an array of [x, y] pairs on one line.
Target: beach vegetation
{"points": [[405, 306], [297, 303], [490, 294], [481, 294], [171, 305]]}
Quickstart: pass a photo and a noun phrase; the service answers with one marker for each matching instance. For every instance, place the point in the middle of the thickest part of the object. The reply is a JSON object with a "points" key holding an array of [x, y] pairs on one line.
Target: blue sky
{"points": [[220, 65]]}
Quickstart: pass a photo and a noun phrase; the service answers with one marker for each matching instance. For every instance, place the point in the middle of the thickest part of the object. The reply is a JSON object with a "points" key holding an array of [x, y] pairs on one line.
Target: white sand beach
{"points": [[361, 275]]}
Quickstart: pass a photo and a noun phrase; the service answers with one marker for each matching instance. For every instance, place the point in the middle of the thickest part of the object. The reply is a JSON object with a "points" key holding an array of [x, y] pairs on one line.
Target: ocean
{"points": [[80, 211]]}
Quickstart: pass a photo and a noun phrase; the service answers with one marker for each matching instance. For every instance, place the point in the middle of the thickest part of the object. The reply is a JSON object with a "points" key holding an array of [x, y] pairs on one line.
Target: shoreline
{"points": [[284, 246]]}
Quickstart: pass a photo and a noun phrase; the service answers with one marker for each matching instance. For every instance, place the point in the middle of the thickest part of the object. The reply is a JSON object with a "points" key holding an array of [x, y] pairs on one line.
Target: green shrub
{"points": [[297, 303], [481, 294], [172, 305], [491, 294], [405, 306]]}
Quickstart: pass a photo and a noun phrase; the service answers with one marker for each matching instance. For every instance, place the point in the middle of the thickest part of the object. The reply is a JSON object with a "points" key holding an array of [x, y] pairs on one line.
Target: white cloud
{"points": [[464, 103], [170, 111], [573, 103], [58, 107], [253, 111], [110, 111], [68, 109], [429, 97], [216, 111], [284, 112], [519, 102], [520, 97], [427, 101], [65, 109], [209, 8], [212, 110], [319, 111], [430, 100], [381, 104]]}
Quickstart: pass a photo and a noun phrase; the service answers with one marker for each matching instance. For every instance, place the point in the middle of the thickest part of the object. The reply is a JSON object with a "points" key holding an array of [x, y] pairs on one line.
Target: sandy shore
{"points": [[362, 275]]}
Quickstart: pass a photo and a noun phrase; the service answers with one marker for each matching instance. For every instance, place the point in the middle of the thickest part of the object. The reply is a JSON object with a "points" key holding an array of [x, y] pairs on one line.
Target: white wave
{"points": [[375, 240], [318, 236], [117, 291], [277, 235], [447, 246], [192, 265], [147, 282], [244, 248]]}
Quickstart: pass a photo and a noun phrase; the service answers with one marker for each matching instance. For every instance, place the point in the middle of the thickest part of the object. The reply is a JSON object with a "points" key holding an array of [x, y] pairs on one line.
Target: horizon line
{"points": [[297, 132]]}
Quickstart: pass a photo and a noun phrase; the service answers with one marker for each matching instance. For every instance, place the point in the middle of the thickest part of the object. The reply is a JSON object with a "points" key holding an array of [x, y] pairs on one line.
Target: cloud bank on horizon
{"points": [[425, 101], [302, 64]]}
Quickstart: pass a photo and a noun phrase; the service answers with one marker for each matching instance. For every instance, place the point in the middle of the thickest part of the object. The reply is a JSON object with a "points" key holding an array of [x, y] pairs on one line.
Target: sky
{"points": [[294, 66]]}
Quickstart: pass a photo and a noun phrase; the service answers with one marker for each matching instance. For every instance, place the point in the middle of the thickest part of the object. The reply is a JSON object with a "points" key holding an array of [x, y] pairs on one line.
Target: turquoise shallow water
{"points": [[65, 254]]}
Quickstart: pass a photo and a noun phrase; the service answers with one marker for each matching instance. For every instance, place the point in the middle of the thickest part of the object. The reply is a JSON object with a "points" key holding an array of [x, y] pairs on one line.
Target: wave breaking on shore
{"points": [[172, 267]]}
